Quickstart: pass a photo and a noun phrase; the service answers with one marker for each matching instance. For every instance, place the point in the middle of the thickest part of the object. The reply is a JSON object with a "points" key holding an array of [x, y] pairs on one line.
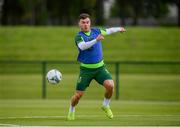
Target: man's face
{"points": [[85, 24]]}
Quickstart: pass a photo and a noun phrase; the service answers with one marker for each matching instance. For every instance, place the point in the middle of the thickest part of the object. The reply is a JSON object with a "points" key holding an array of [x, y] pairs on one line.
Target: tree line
{"points": [[65, 12]]}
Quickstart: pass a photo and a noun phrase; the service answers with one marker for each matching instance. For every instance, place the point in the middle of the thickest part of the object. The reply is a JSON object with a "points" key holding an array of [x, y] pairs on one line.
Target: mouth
{"points": [[86, 28]]}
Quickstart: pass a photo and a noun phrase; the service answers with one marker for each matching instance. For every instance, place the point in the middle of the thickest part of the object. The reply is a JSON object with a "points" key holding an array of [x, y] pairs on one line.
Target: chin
{"points": [[86, 30]]}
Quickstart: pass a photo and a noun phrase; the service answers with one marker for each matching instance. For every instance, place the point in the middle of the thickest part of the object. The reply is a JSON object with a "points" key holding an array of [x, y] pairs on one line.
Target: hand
{"points": [[100, 37], [122, 29]]}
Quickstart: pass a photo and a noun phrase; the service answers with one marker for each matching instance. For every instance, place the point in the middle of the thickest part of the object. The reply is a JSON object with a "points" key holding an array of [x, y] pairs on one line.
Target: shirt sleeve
{"points": [[82, 44], [85, 45], [113, 30], [78, 39], [109, 31], [103, 31]]}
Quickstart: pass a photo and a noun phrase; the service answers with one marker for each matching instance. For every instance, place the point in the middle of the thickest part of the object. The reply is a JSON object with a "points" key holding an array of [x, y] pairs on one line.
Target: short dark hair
{"points": [[84, 16]]}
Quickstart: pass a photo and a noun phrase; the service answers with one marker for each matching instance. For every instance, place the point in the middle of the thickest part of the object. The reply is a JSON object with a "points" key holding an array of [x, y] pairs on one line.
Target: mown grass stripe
{"points": [[87, 116]]}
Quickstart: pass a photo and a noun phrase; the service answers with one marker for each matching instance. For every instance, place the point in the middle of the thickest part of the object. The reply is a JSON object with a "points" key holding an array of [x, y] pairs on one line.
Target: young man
{"points": [[88, 42]]}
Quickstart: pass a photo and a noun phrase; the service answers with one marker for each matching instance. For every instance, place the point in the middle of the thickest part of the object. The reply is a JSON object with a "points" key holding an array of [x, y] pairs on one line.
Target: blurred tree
{"points": [[177, 3], [99, 12], [155, 8], [59, 11], [49, 12], [139, 8], [1, 5], [11, 12], [121, 9], [34, 11], [24, 12], [67, 12]]}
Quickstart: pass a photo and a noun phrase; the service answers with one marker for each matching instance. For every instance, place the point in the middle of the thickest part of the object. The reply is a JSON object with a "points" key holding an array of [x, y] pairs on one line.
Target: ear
{"points": [[79, 23]]}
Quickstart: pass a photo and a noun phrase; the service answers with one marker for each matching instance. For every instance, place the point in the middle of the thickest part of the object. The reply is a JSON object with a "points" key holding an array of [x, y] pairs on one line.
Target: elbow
{"points": [[82, 47]]}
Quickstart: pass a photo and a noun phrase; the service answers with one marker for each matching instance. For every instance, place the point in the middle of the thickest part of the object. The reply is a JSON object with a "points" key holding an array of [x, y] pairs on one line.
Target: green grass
{"points": [[57, 43], [154, 87], [53, 113]]}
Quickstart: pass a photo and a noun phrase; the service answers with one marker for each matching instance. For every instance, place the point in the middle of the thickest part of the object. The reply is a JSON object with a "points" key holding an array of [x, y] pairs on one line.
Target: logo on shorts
{"points": [[79, 80], [106, 70]]}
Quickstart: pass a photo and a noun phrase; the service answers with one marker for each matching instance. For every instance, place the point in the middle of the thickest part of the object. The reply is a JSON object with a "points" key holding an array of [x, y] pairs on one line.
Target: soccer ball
{"points": [[54, 76]]}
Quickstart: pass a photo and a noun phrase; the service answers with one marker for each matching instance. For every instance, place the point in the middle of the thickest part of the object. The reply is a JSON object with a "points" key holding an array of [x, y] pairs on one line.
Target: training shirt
{"points": [[93, 54]]}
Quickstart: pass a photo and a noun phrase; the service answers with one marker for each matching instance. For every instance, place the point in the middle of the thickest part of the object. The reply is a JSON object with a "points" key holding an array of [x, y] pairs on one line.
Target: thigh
{"points": [[84, 80], [102, 75]]}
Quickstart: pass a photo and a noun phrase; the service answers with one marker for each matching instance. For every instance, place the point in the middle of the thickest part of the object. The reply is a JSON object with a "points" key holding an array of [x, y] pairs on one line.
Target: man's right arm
{"points": [[85, 45]]}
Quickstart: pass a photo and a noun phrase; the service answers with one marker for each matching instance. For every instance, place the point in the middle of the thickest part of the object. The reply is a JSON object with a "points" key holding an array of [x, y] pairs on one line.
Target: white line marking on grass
{"points": [[11, 125], [147, 102], [99, 126], [30, 117], [85, 116]]}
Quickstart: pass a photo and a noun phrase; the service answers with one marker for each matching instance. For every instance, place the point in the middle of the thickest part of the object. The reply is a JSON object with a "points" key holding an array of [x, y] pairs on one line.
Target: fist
{"points": [[122, 29], [100, 37]]}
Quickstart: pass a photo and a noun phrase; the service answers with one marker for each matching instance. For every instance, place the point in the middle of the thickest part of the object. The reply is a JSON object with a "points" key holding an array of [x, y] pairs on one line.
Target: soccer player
{"points": [[88, 42]]}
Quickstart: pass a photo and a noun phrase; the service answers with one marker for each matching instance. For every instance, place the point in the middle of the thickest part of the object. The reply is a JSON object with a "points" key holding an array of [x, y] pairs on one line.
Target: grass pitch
{"points": [[88, 113], [145, 100]]}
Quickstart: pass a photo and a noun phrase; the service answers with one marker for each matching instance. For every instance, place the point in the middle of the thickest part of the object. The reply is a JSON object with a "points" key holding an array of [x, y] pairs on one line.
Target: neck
{"points": [[86, 32]]}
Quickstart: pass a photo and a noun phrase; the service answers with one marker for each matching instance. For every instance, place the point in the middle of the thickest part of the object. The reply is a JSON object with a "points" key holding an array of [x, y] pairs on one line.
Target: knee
{"points": [[109, 85], [77, 96]]}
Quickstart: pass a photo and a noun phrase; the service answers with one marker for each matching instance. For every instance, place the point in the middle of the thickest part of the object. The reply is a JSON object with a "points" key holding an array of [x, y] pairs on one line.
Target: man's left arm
{"points": [[112, 30]]}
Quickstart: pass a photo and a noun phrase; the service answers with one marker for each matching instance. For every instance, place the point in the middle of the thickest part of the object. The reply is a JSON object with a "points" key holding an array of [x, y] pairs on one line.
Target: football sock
{"points": [[71, 108], [106, 102]]}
